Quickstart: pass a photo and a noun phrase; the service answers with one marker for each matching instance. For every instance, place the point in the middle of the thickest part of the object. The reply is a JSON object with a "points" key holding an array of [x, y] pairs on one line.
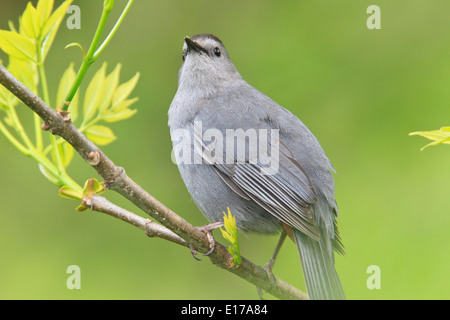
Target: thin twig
{"points": [[116, 179], [151, 228]]}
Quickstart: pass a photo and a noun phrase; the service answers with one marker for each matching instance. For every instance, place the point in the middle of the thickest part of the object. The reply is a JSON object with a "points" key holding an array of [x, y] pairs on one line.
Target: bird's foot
{"points": [[212, 242], [268, 267]]}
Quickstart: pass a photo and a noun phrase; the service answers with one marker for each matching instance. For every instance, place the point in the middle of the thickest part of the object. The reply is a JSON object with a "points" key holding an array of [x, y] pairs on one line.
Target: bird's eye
{"points": [[217, 51]]}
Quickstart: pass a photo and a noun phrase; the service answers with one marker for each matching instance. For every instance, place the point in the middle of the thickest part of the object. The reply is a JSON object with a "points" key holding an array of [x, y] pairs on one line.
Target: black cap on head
{"points": [[204, 36], [205, 43]]}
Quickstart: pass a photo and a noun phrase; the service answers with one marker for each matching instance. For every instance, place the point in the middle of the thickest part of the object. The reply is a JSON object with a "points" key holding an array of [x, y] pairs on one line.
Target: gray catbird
{"points": [[222, 131]]}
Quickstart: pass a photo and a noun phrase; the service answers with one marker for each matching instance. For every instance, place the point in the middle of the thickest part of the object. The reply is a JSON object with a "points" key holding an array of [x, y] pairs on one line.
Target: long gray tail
{"points": [[322, 281]]}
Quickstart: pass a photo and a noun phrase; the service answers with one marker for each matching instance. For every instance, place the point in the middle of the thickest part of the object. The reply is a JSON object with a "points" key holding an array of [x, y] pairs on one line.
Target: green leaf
{"points": [[66, 151], [124, 90], [30, 24], [81, 208], [55, 19], [100, 135], [118, 115], [110, 86], [25, 71], [51, 27], [230, 234], [70, 193], [17, 45], [438, 136], [92, 186], [94, 94], [124, 104], [11, 26], [7, 99], [4, 97], [64, 86], [44, 8]]}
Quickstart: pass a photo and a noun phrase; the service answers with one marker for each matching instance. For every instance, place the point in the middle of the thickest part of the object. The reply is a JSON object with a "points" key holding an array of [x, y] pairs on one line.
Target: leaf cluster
{"points": [[230, 233], [105, 100], [437, 136]]}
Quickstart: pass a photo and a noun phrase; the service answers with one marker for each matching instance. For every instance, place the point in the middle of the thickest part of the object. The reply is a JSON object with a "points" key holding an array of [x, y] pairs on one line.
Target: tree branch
{"points": [[151, 228], [115, 178]]}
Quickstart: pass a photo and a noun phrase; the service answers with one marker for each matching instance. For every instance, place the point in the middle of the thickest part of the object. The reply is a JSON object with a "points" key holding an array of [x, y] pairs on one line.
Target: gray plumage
{"points": [[301, 191]]}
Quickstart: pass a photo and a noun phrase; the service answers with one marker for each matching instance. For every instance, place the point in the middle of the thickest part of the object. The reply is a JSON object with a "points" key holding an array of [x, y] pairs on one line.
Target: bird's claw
{"points": [[194, 253], [268, 267], [212, 242]]}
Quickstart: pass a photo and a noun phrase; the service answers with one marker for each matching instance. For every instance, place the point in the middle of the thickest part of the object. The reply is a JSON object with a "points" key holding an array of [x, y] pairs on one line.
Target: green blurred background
{"points": [[360, 92]]}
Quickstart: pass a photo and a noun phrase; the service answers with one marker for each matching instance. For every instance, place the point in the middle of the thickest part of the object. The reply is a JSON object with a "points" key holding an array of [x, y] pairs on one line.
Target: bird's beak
{"points": [[194, 46]]}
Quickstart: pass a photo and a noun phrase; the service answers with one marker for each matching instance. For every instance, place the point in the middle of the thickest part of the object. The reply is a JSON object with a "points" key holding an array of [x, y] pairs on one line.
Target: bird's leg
{"points": [[212, 242], [269, 265]]}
